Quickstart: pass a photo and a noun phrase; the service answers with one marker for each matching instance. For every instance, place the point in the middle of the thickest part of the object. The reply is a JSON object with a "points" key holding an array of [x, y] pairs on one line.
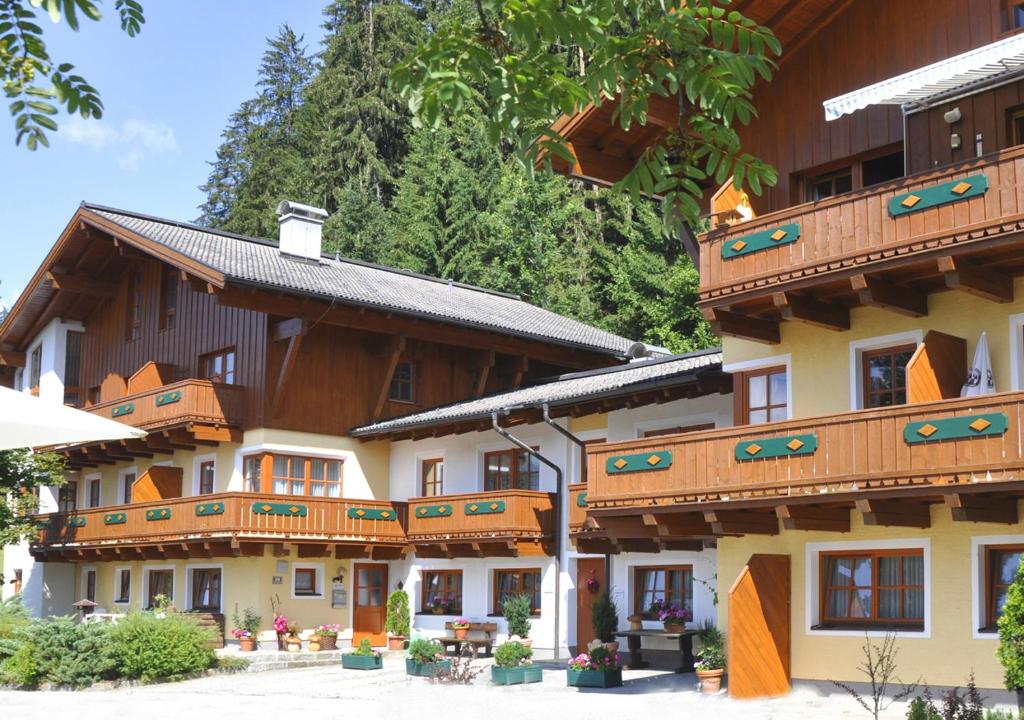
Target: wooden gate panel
{"points": [[759, 628]]}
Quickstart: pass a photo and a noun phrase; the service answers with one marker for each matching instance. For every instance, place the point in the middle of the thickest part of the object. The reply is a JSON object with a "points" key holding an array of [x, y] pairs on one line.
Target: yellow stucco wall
{"points": [[944, 658], [821, 358], [586, 423]]}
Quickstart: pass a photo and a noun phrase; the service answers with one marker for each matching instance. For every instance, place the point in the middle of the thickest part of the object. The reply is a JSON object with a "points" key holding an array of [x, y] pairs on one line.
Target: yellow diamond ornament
{"points": [[910, 201], [795, 444], [753, 449], [778, 235], [927, 430], [960, 188], [738, 245], [620, 463], [979, 425]]}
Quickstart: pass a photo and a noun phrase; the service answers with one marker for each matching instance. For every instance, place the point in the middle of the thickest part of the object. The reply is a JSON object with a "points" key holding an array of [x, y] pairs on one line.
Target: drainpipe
{"points": [[558, 517]]}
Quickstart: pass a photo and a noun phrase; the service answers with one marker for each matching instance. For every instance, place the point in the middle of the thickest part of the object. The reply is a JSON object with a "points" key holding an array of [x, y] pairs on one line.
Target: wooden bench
{"points": [[481, 635]]}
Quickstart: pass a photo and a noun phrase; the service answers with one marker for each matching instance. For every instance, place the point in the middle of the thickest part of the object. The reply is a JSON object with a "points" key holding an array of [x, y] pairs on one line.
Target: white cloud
{"points": [[135, 138]]}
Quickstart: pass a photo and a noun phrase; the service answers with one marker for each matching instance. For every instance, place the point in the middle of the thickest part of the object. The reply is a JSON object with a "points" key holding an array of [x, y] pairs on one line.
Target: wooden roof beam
{"points": [[397, 347], [830, 316], [982, 508], [811, 517], [9, 356], [731, 324], [988, 284], [740, 522], [878, 293], [893, 513], [83, 284]]}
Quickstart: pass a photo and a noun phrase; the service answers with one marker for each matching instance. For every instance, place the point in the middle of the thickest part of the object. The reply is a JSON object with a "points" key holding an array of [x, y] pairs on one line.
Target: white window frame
{"points": [[319, 568], [857, 350], [146, 570], [197, 463], [685, 420], [979, 545], [87, 481], [120, 481], [86, 569], [189, 567], [1017, 351], [812, 584], [785, 360], [238, 478], [118, 569]]}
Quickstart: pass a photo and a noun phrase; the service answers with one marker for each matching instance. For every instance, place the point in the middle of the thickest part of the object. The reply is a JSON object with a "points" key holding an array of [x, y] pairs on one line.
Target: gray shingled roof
{"points": [[563, 390], [255, 261]]}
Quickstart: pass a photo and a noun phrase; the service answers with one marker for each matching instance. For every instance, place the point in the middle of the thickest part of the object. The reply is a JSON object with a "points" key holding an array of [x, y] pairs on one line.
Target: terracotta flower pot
{"points": [[438, 611], [247, 644], [612, 647], [396, 642], [328, 642], [461, 633], [710, 681], [674, 627]]}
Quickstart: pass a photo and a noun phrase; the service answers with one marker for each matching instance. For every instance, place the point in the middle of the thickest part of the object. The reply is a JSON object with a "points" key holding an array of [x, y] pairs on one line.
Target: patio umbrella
{"points": [[979, 376], [27, 421]]}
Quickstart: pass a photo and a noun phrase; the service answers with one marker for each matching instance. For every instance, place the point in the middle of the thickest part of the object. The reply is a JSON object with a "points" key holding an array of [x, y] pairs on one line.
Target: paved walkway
{"points": [[330, 692]]}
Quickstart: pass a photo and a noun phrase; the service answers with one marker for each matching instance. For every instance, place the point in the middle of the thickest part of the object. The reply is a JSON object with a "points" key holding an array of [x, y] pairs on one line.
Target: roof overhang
{"points": [[960, 74]]}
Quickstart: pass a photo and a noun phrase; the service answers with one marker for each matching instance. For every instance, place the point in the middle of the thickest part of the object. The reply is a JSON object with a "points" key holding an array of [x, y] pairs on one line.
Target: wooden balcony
{"points": [[180, 403], [502, 523], [224, 524], [890, 465], [888, 246]]}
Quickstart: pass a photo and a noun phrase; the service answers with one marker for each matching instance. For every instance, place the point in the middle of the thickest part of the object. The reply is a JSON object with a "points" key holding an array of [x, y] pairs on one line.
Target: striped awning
{"points": [[982, 65]]}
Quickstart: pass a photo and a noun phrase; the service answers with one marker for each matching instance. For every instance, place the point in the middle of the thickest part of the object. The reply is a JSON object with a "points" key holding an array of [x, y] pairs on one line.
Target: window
{"points": [[168, 298], [878, 166], [872, 588], [678, 429], [432, 477], [305, 582], [206, 585], [89, 583], [761, 396], [1013, 18], [881, 169], [442, 588], [67, 497], [819, 187], [35, 369], [511, 469], [160, 582], [133, 314], [74, 393], [663, 585], [293, 475], [402, 381], [123, 594], [94, 492], [127, 480], [514, 582], [206, 473], [218, 366], [251, 471], [885, 375], [1001, 563]]}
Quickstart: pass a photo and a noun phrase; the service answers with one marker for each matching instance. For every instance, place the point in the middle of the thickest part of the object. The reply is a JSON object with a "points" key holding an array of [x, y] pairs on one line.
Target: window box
{"points": [[427, 669], [594, 678], [351, 661], [517, 675]]}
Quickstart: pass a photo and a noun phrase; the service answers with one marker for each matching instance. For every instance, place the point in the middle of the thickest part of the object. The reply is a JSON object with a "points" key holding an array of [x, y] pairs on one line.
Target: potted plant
{"points": [[328, 635], [1011, 638], [426, 659], [605, 619], [517, 612], [513, 665], [597, 669], [292, 641], [711, 666], [461, 627], [437, 608], [397, 621], [247, 629], [674, 618], [281, 628], [363, 657]]}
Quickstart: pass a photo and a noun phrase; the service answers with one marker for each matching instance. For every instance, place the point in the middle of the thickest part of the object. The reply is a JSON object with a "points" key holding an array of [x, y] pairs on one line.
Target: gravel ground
{"points": [[335, 693]]}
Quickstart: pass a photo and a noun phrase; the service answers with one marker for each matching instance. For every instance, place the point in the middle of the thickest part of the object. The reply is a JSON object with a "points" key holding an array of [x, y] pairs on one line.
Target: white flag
{"points": [[979, 376]]}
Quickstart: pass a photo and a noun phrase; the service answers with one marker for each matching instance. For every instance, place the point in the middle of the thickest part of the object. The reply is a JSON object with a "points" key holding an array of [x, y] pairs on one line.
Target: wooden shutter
{"points": [[938, 368]]}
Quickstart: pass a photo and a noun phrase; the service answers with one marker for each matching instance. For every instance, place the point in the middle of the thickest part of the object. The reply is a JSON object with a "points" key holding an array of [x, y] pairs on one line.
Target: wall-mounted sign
{"points": [[277, 580], [339, 596]]}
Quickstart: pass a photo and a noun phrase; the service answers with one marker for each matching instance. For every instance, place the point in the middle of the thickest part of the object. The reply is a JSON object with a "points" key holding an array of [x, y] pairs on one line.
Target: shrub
{"points": [[951, 706], [1011, 634], [605, 617], [13, 615], [397, 621], [152, 648], [230, 664], [712, 647], [246, 626], [517, 614], [365, 649], [512, 654], [61, 652], [425, 651]]}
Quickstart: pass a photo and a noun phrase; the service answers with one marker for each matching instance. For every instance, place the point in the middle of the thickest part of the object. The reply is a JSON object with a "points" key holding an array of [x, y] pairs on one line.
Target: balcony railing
{"points": [[577, 506], [857, 229], [187, 401], [504, 514], [960, 441], [244, 516]]}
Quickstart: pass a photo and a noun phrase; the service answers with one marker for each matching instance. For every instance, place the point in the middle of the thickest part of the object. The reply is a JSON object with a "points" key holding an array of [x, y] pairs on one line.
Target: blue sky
{"points": [[167, 93]]}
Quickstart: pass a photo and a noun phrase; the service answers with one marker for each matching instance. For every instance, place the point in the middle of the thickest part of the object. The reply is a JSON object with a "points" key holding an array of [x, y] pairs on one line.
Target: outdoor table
{"points": [[633, 638]]}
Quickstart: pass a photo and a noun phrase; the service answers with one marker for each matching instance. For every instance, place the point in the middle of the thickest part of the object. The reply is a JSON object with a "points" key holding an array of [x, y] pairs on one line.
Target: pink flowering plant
{"points": [[673, 615], [599, 658], [281, 623], [460, 622], [327, 630], [247, 625]]}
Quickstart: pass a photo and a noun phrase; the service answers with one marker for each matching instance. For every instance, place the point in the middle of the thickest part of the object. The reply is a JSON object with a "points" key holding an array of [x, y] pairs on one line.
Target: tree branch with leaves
{"points": [[22, 474]]}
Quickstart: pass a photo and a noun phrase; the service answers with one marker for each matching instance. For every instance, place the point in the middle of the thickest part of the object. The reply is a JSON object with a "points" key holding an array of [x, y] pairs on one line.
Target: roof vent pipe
{"points": [[301, 229]]}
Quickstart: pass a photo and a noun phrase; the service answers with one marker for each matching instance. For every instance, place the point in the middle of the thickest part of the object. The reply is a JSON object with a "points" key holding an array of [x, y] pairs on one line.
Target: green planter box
{"points": [[594, 678], [516, 675], [362, 662], [427, 669]]}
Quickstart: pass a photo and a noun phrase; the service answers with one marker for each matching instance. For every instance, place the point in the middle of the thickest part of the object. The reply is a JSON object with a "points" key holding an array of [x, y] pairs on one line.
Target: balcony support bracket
{"points": [[830, 316], [982, 508], [806, 517], [893, 513], [875, 292], [745, 327], [988, 284]]}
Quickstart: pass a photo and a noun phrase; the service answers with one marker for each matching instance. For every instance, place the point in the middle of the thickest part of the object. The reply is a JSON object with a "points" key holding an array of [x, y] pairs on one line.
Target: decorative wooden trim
{"points": [[638, 462], [168, 398], [372, 514], [76, 522], [956, 428], [122, 410], [427, 511], [116, 518], [288, 510], [935, 195], [785, 446], [214, 508], [485, 507], [762, 240], [154, 514], [581, 500]]}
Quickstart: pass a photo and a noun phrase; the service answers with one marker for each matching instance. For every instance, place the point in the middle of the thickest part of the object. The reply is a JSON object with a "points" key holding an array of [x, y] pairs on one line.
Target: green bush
{"points": [[397, 621], [61, 652], [422, 650], [1011, 634], [512, 654], [605, 617], [150, 648], [230, 664], [1000, 715], [13, 615], [517, 614]]}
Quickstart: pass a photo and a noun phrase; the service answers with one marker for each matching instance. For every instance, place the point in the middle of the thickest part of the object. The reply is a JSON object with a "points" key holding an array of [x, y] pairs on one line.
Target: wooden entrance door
{"points": [[369, 606], [587, 568]]}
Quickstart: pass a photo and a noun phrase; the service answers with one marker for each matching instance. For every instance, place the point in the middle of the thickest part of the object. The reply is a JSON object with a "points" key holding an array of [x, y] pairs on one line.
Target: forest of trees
{"points": [[326, 128]]}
